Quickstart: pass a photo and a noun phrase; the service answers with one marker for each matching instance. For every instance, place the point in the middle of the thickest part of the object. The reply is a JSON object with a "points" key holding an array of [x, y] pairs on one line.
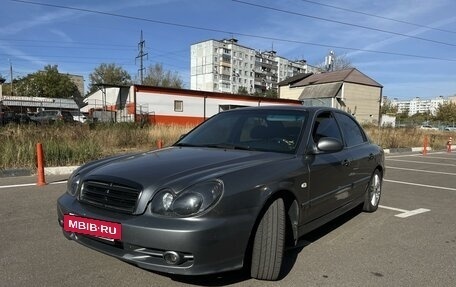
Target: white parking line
{"points": [[29, 184], [421, 170], [421, 155], [405, 213], [422, 162], [418, 184], [440, 157]]}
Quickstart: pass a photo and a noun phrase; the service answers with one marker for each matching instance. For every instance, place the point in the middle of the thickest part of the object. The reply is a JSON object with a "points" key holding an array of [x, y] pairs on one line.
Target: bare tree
{"points": [[339, 62]]}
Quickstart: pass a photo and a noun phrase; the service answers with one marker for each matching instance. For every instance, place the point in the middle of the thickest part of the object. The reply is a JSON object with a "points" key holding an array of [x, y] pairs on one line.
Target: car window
{"points": [[277, 131], [325, 125], [352, 132]]}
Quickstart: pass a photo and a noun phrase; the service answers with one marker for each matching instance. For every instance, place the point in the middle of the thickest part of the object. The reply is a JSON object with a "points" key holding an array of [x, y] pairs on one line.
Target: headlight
{"points": [[73, 184], [190, 202]]}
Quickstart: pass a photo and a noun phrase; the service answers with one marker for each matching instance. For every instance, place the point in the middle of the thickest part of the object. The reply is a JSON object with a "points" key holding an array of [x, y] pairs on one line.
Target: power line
{"points": [[344, 23], [67, 57], [60, 42], [73, 47], [380, 17], [234, 33]]}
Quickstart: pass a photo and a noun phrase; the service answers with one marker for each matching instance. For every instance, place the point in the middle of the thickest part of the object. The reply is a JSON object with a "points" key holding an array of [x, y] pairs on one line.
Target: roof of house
{"points": [[348, 76], [327, 90], [294, 79]]}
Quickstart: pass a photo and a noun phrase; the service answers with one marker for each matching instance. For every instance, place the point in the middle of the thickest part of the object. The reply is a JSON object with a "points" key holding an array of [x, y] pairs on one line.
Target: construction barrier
{"points": [[40, 165], [449, 143], [425, 145], [159, 143]]}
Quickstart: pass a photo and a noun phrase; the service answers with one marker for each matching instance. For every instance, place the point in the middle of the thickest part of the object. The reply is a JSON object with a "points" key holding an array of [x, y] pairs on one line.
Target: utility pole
{"points": [[11, 76], [141, 55]]}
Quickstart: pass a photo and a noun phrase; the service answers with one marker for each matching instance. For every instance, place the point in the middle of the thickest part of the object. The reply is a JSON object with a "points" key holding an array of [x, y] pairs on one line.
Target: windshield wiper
{"points": [[227, 146], [186, 144], [223, 146]]}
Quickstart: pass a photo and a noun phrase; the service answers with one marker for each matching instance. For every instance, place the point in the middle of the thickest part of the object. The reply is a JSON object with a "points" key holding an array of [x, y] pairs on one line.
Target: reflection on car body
{"points": [[228, 194]]}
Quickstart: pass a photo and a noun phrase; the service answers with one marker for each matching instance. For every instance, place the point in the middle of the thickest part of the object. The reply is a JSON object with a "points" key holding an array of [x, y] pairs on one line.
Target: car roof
{"points": [[287, 108]]}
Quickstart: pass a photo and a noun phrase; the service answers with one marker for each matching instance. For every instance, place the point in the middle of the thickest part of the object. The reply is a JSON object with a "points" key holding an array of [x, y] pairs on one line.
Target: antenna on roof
{"points": [[329, 61]]}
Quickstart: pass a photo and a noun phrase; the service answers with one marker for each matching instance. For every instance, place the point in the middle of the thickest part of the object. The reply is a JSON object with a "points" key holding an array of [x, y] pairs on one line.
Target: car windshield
{"points": [[261, 130]]}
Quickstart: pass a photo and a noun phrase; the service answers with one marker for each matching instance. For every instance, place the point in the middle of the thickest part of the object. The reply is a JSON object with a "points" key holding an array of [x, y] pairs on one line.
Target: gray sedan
{"points": [[232, 193]]}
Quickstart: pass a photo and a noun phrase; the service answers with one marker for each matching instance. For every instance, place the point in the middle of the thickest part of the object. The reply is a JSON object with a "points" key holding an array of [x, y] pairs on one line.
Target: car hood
{"points": [[178, 167]]}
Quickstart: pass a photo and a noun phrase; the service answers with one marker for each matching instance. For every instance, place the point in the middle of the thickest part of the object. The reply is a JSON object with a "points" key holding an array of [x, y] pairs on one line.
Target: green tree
{"points": [[271, 93], [421, 118], [242, 91], [157, 76], [446, 112], [48, 83], [109, 74]]}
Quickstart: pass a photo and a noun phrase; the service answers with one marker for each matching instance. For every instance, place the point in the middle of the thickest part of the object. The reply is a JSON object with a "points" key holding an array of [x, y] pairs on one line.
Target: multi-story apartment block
{"points": [[226, 66], [418, 105]]}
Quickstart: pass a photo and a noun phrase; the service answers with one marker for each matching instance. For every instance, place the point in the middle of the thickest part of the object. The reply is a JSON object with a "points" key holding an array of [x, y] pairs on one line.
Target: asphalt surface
{"points": [[409, 241]]}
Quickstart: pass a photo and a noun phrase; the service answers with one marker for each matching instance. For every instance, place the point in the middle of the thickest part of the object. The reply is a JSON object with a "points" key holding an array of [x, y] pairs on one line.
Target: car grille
{"points": [[110, 195]]}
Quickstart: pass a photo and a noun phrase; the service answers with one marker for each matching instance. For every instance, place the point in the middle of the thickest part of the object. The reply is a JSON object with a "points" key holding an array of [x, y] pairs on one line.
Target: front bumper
{"points": [[207, 245]]}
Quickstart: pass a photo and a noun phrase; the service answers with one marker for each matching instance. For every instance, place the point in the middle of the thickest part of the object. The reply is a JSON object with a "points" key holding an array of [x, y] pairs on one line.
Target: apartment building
{"points": [[226, 66], [418, 105]]}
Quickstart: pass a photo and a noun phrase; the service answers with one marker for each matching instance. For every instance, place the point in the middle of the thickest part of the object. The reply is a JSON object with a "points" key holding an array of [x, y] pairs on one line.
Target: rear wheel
{"points": [[373, 192], [268, 244]]}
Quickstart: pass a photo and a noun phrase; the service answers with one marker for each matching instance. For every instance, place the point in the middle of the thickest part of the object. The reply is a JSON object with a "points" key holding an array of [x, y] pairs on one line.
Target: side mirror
{"points": [[328, 144]]}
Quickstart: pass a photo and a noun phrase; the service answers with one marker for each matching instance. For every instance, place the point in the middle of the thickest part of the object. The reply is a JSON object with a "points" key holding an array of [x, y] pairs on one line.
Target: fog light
{"points": [[172, 258]]}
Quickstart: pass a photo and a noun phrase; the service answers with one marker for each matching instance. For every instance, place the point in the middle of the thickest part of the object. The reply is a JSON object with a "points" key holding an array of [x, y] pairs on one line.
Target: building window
{"points": [[178, 106]]}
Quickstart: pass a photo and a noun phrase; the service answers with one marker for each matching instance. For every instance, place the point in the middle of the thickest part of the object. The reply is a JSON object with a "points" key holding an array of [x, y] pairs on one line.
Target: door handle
{"points": [[346, 162]]}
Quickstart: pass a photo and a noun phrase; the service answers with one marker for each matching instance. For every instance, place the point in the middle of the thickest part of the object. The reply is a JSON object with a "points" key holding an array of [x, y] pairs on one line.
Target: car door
{"points": [[361, 153], [329, 183]]}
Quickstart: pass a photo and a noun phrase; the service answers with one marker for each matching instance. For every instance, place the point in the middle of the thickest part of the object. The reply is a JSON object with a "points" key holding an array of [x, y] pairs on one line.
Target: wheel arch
{"points": [[291, 219]]}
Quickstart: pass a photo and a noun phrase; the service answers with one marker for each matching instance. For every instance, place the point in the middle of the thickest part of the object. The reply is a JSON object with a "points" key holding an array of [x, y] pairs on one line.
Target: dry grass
{"points": [[77, 144], [392, 138]]}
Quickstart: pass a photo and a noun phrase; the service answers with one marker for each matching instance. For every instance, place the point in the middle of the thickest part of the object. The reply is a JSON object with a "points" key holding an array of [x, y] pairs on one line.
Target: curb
{"points": [[15, 172], [62, 170], [405, 149]]}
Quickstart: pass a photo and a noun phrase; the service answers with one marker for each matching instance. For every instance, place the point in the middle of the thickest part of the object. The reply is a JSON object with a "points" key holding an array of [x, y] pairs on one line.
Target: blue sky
{"points": [[408, 60]]}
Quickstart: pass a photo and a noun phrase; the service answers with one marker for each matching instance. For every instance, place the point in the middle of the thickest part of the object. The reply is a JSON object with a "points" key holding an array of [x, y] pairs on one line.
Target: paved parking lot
{"points": [[409, 241]]}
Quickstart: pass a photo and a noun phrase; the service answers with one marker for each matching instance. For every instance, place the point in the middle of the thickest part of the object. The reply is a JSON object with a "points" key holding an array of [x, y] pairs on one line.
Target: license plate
{"points": [[93, 227]]}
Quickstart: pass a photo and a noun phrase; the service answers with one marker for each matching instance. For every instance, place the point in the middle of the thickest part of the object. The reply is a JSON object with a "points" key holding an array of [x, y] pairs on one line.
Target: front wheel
{"points": [[268, 244], [373, 192]]}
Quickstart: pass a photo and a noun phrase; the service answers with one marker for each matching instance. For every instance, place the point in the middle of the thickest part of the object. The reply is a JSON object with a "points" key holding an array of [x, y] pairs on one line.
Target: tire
{"points": [[373, 192], [268, 244]]}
